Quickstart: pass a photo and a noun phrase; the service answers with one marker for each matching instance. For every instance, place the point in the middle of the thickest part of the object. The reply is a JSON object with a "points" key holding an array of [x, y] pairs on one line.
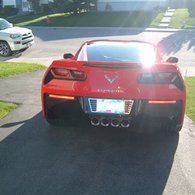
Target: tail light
{"points": [[161, 78], [67, 74]]}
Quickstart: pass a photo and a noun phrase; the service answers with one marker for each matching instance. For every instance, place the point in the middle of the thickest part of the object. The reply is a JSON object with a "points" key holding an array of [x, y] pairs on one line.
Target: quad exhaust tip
{"points": [[125, 123], [115, 123], [105, 122], [95, 121]]}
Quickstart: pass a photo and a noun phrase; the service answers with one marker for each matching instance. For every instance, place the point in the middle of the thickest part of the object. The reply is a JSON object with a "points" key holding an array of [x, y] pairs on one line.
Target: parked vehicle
{"points": [[14, 39], [115, 83]]}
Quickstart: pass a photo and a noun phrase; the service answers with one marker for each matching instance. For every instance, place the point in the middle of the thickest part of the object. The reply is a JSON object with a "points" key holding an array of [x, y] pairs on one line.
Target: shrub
{"points": [[10, 10]]}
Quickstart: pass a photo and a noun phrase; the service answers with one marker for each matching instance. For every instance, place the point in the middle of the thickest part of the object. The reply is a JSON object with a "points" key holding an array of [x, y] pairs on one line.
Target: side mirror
{"points": [[172, 60], [68, 55]]}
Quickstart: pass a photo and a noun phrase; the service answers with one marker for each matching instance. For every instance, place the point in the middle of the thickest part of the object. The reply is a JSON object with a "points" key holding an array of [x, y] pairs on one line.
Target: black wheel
{"points": [[5, 50]]}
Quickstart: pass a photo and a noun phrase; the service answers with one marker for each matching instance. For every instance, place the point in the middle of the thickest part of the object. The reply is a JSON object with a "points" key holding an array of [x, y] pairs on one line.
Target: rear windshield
{"points": [[135, 52]]}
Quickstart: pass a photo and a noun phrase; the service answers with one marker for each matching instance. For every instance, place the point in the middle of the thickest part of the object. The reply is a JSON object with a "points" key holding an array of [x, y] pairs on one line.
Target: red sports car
{"points": [[115, 83]]}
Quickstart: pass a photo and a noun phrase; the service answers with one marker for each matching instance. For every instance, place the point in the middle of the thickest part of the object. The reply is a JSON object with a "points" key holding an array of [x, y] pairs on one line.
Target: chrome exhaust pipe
{"points": [[125, 123], [115, 122], [95, 121], [105, 122]]}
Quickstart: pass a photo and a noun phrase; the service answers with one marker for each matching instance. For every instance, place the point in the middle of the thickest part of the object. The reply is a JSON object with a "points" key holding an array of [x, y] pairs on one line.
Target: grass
{"points": [[103, 19], [143, 19], [190, 102], [155, 23], [179, 18], [14, 68], [182, 19], [6, 108]]}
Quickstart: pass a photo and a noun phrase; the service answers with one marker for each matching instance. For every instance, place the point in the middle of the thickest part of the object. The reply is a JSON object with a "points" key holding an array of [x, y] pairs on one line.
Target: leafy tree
{"points": [[74, 6]]}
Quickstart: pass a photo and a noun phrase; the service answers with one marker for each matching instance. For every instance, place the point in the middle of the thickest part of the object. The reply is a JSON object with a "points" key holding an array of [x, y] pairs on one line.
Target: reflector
{"points": [[162, 102], [62, 97]]}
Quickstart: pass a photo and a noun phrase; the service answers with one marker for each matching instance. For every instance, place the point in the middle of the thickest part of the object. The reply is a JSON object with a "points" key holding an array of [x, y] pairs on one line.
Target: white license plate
{"points": [[110, 106]]}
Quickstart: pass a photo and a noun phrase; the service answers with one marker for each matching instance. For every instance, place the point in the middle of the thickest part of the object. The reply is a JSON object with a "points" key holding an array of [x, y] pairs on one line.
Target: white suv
{"points": [[14, 39]]}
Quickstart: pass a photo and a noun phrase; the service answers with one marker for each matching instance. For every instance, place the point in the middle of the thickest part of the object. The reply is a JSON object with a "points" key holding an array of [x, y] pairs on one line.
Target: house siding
{"points": [[130, 5], [45, 1], [9, 3]]}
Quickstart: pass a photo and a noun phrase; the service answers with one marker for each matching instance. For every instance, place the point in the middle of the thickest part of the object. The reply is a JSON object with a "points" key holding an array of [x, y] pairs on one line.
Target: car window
{"points": [[121, 52], [4, 24]]}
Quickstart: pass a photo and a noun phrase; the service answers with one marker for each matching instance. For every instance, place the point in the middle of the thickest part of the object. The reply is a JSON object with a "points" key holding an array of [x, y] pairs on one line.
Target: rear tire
{"points": [[5, 50]]}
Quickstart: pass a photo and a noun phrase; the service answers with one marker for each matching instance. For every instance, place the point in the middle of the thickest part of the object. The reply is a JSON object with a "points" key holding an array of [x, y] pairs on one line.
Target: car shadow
{"points": [[14, 56], [176, 41], [80, 159]]}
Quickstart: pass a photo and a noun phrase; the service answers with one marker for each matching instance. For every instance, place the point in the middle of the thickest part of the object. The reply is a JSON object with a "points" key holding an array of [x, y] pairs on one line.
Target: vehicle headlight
{"points": [[14, 36]]}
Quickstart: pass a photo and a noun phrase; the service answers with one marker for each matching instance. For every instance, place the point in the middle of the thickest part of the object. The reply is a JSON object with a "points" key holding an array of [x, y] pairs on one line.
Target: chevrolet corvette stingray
{"points": [[115, 83]]}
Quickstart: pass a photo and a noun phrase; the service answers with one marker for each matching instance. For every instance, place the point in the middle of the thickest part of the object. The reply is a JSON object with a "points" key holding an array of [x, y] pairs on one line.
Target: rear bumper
{"points": [[140, 109]]}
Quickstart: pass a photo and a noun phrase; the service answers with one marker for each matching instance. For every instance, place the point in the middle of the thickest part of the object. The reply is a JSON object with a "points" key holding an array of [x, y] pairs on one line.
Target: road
{"points": [[52, 43], [36, 158]]}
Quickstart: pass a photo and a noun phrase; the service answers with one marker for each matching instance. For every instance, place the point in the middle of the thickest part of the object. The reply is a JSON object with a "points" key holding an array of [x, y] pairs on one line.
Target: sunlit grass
{"points": [[179, 19], [155, 23], [190, 103], [5, 108], [14, 68]]}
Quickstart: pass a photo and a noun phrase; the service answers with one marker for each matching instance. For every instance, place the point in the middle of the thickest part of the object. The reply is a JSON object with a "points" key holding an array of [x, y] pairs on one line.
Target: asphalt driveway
{"points": [[36, 158]]}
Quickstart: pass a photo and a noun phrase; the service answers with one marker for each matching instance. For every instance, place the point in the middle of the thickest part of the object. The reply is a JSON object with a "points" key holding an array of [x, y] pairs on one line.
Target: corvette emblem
{"points": [[110, 79]]}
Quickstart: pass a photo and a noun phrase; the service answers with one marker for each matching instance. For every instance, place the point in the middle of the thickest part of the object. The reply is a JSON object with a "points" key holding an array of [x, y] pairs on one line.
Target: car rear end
{"points": [[115, 87], [115, 94]]}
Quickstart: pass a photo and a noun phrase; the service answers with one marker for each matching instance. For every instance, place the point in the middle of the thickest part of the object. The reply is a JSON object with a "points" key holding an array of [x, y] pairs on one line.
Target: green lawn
{"points": [[144, 19], [5, 108], [190, 104], [14, 68], [179, 18], [156, 21], [182, 19], [102, 19], [10, 69]]}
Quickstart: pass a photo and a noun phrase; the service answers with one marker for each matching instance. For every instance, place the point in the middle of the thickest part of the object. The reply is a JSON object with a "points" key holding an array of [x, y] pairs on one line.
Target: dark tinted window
{"points": [[121, 52]]}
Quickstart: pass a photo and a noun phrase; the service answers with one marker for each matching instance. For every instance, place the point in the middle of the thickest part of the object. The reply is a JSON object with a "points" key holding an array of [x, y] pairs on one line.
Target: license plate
{"points": [[110, 106]]}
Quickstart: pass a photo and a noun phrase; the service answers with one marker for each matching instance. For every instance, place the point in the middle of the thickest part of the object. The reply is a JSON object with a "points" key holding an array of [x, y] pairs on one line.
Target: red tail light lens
{"points": [[78, 75], [62, 73], [161, 78]]}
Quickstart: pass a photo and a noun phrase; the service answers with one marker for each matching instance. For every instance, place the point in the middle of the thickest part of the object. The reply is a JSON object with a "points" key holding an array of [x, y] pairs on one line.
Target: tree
{"points": [[74, 6]]}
